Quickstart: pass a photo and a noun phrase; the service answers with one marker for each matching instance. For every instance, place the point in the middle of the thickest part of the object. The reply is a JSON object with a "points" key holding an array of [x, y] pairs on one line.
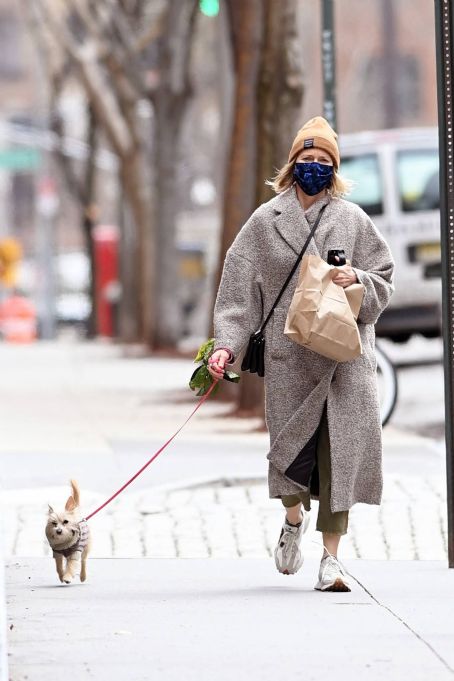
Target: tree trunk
{"points": [[128, 311], [170, 100], [239, 194], [168, 117], [137, 191], [279, 95], [89, 218], [280, 92], [267, 105]]}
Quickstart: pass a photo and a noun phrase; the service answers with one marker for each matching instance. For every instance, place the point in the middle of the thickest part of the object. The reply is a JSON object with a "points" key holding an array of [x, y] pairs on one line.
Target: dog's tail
{"points": [[76, 492]]}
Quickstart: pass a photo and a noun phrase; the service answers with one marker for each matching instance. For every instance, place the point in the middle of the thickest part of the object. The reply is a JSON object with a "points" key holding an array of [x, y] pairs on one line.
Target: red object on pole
{"points": [[105, 238]]}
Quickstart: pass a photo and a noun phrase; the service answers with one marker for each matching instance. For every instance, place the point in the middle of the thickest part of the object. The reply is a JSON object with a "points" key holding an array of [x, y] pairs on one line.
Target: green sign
{"points": [[21, 158]]}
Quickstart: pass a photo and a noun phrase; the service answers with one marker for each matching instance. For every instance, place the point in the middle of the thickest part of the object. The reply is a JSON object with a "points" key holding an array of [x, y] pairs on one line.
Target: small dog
{"points": [[69, 538]]}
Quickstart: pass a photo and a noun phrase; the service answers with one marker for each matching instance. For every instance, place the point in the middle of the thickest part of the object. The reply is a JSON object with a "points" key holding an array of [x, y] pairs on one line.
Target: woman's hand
{"points": [[216, 363], [345, 276]]}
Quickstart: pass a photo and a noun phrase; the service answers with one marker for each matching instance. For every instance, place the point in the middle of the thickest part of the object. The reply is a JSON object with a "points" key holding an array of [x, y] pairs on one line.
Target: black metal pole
{"points": [[444, 39], [329, 63]]}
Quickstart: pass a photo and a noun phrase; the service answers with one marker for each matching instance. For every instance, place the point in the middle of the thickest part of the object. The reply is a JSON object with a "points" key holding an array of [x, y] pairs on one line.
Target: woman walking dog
{"points": [[323, 416]]}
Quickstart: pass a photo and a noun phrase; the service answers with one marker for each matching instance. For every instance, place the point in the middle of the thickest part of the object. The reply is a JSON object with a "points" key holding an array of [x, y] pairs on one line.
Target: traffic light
{"points": [[10, 255], [210, 8]]}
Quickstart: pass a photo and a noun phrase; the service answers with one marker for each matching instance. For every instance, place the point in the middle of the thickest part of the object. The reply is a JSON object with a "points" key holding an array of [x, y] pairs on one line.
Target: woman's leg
{"points": [[287, 554], [331, 543], [331, 525], [332, 576], [292, 503]]}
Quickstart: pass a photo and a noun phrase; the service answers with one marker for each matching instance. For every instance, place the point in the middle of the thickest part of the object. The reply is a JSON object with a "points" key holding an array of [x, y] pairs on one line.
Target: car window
{"points": [[417, 172], [367, 191]]}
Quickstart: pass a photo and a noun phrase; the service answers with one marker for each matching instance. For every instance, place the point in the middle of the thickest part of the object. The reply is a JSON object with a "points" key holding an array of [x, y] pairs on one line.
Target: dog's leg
{"points": [[83, 569], [72, 567], [59, 565]]}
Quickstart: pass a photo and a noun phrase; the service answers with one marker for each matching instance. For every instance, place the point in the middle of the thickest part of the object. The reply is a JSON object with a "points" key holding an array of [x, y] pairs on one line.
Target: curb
{"points": [[3, 640], [203, 481]]}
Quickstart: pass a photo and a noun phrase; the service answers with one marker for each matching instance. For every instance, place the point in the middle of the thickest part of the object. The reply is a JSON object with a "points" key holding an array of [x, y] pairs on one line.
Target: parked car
{"points": [[396, 182]]}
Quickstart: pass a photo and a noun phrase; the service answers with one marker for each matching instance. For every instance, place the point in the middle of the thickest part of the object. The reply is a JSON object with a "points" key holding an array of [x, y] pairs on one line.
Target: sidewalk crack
{"points": [[405, 624]]}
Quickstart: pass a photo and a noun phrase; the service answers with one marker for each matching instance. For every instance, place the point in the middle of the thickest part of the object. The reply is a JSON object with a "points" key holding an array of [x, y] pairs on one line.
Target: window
{"points": [[364, 171], [417, 172]]}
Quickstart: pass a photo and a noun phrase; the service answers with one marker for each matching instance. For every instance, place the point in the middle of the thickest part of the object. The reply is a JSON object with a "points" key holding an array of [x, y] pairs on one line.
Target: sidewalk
{"points": [[86, 411], [232, 518], [3, 637], [216, 620]]}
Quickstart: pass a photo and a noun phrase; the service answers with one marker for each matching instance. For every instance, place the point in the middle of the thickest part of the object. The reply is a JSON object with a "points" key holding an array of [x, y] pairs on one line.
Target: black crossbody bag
{"points": [[254, 357]]}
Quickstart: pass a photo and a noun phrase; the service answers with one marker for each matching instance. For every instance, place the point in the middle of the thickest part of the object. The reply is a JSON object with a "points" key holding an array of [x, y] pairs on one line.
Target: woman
{"points": [[323, 417]]}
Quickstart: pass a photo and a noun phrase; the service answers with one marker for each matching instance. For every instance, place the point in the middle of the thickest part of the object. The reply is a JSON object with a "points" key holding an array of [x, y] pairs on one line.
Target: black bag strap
{"points": [[303, 250]]}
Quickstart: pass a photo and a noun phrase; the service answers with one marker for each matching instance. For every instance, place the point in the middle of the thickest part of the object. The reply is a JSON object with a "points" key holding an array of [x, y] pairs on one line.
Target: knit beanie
{"points": [[316, 133]]}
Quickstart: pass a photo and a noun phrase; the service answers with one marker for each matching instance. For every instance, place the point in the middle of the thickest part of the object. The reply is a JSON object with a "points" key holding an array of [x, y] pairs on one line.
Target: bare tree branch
{"points": [[115, 47], [85, 59]]}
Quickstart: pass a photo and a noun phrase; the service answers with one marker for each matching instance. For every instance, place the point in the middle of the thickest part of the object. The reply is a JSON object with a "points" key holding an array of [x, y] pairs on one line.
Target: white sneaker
{"points": [[287, 554], [332, 576]]}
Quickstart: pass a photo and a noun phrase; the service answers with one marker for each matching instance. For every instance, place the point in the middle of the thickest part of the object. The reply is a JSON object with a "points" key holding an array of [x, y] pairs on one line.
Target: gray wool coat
{"points": [[299, 381]]}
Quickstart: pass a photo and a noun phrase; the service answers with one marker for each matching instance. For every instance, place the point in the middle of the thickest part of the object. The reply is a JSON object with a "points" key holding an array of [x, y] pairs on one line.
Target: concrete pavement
{"points": [[230, 518], [3, 637], [87, 411], [202, 620]]}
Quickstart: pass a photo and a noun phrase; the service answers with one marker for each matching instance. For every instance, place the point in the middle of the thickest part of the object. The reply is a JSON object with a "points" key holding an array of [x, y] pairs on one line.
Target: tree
{"points": [[106, 46], [169, 98], [268, 96]]}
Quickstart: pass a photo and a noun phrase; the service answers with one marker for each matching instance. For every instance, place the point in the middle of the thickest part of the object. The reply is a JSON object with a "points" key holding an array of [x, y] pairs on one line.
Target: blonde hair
{"points": [[284, 179]]}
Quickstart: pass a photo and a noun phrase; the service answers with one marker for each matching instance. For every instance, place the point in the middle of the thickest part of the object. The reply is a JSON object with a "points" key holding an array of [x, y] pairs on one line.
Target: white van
{"points": [[396, 182]]}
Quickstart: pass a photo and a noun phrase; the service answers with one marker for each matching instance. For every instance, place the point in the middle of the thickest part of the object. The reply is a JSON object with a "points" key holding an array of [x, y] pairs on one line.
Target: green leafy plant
{"points": [[201, 379]]}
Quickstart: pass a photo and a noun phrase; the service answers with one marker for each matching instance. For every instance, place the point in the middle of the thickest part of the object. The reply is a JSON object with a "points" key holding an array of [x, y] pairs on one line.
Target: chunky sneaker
{"points": [[287, 554], [332, 576]]}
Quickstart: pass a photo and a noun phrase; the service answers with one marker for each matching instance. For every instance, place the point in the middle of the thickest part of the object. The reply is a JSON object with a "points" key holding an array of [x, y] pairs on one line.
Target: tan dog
{"points": [[69, 538]]}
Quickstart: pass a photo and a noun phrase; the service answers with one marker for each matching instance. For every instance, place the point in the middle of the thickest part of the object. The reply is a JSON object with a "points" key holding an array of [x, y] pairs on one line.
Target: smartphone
{"points": [[340, 253]]}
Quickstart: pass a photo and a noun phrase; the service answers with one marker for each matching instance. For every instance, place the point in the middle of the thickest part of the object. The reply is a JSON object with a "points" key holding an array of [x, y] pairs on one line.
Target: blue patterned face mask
{"points": [[313, 177]]}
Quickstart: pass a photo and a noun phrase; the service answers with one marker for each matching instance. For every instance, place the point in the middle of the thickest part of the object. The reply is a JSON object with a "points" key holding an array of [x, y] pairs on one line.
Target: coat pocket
{"points": [[368, 358], [281, 346]]}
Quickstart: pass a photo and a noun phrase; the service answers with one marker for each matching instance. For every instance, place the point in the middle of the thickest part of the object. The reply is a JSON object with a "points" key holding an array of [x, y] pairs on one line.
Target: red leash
{"points": [[154, 455]]}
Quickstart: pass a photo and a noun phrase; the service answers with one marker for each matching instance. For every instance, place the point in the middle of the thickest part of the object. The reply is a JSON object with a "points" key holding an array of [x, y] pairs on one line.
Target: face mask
{"points": [[313, 177]]}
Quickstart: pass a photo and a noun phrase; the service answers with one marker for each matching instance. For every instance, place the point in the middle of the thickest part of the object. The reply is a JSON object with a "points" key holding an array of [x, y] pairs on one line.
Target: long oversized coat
{"points": [[299, 381]]}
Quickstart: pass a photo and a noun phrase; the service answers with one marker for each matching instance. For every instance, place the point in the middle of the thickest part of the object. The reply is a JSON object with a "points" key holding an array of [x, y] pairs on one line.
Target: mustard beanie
{"points": [[316, 133]]}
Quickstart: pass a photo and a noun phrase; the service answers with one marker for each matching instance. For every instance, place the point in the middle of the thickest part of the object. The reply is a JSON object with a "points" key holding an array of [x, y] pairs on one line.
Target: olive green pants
{"points": [[327, 521]]}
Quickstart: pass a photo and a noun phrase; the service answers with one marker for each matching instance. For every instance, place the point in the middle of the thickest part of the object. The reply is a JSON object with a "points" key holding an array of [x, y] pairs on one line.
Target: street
{"points": [[420, 407]]}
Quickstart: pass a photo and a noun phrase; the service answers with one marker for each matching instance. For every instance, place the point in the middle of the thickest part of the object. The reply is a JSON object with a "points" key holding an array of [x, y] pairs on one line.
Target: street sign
{"points": [[19, 159], [444, 20]]}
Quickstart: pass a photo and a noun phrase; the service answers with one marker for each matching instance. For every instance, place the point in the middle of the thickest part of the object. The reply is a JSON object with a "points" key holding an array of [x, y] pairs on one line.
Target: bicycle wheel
{"points": [[387, 384]]}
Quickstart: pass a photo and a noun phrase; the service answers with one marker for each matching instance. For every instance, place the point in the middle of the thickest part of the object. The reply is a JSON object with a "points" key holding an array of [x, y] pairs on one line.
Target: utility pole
{"points": [[444, 25], [329, 63], [390, 65], [47, 208]]}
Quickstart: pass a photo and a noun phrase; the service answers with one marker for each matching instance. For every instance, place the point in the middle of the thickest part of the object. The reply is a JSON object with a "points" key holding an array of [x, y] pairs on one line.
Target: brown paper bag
{"points": [[322, 314]]}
